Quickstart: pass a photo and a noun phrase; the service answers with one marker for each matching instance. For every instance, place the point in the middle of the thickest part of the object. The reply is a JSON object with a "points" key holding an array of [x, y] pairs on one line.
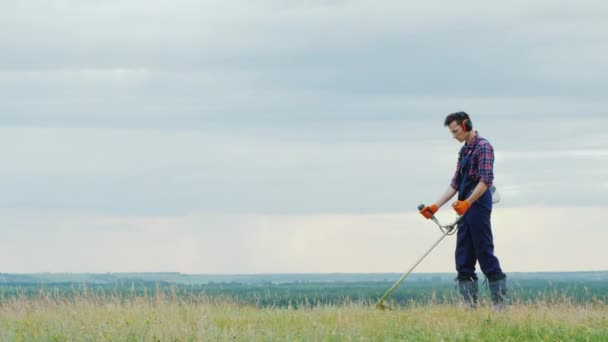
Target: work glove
{"points": [[428, 211], [461, 207]]}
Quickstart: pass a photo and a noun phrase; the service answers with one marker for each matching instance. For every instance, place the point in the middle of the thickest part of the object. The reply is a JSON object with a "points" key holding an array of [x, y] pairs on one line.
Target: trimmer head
{"points": [[447, 230], [382, 306]]}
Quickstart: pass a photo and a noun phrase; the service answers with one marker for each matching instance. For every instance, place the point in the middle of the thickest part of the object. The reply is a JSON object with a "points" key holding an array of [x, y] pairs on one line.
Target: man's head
{"points": [[460, 126]]}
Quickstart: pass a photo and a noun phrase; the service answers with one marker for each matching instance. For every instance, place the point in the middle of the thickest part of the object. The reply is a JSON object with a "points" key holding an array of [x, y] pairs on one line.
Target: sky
{"points": [[240, 137]]}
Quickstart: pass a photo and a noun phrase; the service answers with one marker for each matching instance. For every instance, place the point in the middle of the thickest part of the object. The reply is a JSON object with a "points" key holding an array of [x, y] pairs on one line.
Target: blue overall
{"points": [[474, 240]]}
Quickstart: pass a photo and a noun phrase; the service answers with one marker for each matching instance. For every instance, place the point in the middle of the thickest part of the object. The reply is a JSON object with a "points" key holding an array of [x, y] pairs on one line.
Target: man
{"points": [[472, 179]]}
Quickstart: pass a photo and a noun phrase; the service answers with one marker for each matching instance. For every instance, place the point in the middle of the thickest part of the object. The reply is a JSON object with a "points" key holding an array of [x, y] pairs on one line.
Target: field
{"points": [[167, 318], [317, 311]]}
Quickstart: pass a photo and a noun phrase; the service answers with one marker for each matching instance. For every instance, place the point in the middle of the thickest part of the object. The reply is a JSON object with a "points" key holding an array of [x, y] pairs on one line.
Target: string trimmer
{"points": [[447, 230]]}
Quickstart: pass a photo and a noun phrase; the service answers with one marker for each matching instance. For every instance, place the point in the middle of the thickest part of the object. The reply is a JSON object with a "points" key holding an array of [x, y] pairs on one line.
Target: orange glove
{"points": [[461, 207], [428, 211]]}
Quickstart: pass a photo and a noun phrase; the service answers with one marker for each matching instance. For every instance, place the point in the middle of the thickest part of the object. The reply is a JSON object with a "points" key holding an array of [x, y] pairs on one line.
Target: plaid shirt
{"points": [[481, 164]]}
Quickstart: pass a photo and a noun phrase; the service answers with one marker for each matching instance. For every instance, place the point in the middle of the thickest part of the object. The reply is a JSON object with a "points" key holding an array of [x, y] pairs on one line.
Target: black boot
{"points": [[498, 291], [468, 290]]}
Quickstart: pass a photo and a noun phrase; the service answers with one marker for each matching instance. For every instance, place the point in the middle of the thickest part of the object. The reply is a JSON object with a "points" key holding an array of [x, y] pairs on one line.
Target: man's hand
{"points": [[428, 211], [461, 207]]}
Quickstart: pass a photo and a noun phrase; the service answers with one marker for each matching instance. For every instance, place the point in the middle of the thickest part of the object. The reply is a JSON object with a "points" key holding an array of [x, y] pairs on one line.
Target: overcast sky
{"points": [[272, 136]]}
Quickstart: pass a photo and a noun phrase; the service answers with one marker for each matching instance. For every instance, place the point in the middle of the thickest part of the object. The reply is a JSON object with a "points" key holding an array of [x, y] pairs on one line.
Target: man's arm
{"points": [[477, 192], [485, 156], [429, 210], [486, 172], [447, 195]]}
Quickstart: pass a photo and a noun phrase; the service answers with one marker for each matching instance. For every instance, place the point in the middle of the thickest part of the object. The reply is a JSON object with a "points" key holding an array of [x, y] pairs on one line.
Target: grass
{"points": [[167, 317]]}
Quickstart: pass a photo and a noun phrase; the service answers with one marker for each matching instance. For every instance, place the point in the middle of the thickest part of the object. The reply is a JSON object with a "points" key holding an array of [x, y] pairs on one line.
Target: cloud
{"points": [[122, 109], [232, 65], [253, 243], [358, 46], [151, 171], [356, 168]]}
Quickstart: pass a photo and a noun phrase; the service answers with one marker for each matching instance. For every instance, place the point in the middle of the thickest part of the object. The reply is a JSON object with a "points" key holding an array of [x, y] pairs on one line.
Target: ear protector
{"points": [[466, 123]]}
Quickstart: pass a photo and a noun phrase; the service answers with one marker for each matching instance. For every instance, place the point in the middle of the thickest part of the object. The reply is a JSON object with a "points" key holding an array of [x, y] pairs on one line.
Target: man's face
{"points": [[457, 132]]}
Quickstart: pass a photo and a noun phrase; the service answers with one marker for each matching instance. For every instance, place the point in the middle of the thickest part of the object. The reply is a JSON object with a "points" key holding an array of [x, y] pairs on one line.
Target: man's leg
{"points": [[481, 233], [465, 265], [498, 290]]}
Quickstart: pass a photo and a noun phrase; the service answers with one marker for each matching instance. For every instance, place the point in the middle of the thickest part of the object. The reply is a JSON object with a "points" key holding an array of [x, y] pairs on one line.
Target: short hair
{"points": [[459, 117]]}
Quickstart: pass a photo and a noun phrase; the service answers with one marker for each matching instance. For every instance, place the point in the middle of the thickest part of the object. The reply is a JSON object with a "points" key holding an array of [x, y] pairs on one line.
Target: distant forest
{"points": [[301, 289]]}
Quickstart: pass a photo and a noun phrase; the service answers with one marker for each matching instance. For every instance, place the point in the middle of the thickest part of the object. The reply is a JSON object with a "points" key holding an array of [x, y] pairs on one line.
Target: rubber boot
{"points": [[468, 289], [498, 292]]}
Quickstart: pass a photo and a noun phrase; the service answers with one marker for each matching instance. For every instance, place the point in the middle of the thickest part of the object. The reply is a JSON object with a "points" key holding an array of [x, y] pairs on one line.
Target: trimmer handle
{"points": [[422, 206]]}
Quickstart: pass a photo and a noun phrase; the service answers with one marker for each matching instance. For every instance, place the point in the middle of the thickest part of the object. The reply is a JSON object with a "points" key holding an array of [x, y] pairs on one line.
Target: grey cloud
{"points": [[294, 108], [118, 63], [152, 172]]}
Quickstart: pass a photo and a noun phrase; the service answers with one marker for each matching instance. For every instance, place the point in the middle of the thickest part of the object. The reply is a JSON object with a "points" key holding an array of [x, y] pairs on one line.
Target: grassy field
{"points": [[200, 318]]}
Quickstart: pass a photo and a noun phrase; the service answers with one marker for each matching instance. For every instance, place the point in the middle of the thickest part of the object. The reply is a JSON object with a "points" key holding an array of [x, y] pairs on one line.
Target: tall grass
{"points": [[171, 316]]}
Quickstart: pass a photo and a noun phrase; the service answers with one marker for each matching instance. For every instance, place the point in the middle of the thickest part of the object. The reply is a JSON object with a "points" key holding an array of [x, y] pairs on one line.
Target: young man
{"points": [[472, 179]]}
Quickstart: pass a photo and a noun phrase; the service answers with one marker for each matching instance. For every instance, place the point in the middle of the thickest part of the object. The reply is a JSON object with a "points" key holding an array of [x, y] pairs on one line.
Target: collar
{"points": [[474, 141]]}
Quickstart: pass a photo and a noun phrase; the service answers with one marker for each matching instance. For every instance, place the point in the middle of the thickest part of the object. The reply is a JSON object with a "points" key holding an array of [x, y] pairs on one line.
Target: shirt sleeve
{"points": [[486, 163], [454, 182]]}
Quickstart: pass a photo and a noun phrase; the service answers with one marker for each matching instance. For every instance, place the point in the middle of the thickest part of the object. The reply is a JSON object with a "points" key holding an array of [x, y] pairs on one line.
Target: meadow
{"points": [[168, 316], [541, 310], [174, 318]]}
